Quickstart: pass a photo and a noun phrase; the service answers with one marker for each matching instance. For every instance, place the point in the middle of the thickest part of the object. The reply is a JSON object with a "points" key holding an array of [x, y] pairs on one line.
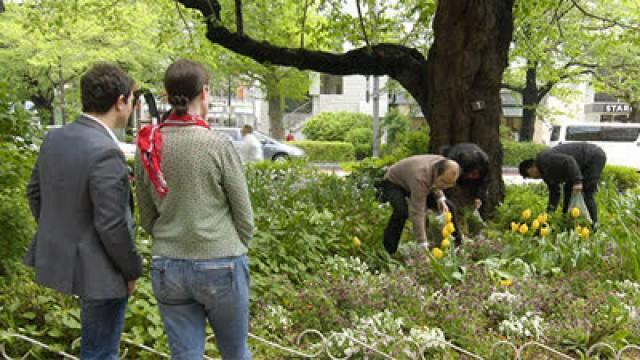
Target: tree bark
{"points": [[530, 103], [634, 116], [466, 62], [457, 87], [276, 127], [1, 6]]}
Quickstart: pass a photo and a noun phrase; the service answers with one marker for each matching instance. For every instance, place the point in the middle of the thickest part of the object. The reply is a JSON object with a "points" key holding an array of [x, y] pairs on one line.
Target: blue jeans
{"points": [[102, 324], [190, 292]]}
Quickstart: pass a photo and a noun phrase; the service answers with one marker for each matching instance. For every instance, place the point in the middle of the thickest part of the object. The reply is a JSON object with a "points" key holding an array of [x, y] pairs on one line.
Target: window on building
{"points": [[602, 133], [330, 84], [614, 118]]}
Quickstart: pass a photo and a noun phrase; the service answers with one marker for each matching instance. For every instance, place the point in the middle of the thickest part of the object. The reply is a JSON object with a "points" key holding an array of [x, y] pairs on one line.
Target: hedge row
{"points": [[329, 151], [515, 152]]}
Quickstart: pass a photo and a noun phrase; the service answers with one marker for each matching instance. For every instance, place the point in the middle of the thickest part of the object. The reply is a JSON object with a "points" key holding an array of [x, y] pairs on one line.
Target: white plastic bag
{"points": [[577, 201]]}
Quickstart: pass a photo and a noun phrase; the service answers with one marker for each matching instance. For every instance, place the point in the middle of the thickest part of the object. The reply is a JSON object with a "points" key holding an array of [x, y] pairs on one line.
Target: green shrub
{"points": [[396, 126], [515, 152], [333, 151], [624, 177], [362, 140], [330, 126]]}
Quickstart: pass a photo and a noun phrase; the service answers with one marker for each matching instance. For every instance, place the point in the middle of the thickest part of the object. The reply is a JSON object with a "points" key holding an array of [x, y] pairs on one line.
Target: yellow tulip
{"points": [[535, 225], [445, 243], [506, 282], [445, 232], [451, 227], [575, 212], [542, 218], [515, 226], [448, 216], [526, 214], [585, 232], [544, 231], [437, 253], [523, 229], [356, 242], [578, 229]]}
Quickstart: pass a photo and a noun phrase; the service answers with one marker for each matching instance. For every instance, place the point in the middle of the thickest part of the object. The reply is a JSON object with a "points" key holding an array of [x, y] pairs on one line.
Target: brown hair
{"points": [[183, 81], [102, 85]]}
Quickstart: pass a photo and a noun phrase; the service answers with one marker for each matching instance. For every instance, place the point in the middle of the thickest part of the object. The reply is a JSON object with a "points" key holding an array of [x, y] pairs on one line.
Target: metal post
{"points": [[376, 116]]}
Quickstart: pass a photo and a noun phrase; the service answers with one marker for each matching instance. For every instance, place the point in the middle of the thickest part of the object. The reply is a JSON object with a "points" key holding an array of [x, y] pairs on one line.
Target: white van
{"points": [[620, 141]]}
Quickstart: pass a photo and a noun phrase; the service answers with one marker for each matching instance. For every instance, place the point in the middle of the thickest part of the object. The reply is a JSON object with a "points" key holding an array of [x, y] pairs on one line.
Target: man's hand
{"points": [[577, 187], [478, 203], [442, 205], [131, 285]]}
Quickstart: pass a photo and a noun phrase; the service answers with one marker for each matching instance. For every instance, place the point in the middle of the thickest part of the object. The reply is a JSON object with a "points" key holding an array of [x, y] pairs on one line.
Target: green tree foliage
{"points": [[45, 45]]}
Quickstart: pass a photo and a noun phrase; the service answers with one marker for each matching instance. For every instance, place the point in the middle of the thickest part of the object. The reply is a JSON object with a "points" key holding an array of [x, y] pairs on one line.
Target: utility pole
{"points": [[376, 116]]}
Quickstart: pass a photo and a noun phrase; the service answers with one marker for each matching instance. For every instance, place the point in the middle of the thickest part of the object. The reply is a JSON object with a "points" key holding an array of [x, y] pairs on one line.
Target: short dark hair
{"points": [[183, 81], [102, 85], [524, 167]]}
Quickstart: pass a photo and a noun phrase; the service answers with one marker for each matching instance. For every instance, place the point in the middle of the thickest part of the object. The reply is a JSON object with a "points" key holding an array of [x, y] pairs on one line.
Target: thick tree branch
{"points": [[518, 89], [399, 62], [239, 21], [206, 7]]}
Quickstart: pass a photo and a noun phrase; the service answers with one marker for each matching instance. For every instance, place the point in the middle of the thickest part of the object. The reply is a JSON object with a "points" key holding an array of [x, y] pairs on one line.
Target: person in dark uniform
{"points": [[576, 165], [474, 163]]}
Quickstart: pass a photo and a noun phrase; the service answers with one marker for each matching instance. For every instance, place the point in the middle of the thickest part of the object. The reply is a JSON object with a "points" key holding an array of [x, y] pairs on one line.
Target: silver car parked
{"points": [[271, 148]]}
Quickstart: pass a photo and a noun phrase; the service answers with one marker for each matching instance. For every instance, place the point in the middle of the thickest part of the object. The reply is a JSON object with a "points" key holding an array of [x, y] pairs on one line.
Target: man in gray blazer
{"points": [[79, 195]]}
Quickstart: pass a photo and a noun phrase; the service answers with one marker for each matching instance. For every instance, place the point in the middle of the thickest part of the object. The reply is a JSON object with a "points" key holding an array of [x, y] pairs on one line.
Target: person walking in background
{"points": [[290, 137], [422, 179], [194, 201], [251, 148], [576, 165], [79, 194], [474, 178]]}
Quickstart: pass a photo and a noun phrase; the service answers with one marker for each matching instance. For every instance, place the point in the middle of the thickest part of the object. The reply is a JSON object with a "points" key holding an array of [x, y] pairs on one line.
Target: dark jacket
{"points": [[570, 163], [474, 163], [79, 195]]}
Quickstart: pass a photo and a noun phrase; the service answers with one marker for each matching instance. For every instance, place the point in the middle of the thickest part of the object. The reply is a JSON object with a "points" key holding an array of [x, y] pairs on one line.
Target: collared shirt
{"points": [[113, 136]]}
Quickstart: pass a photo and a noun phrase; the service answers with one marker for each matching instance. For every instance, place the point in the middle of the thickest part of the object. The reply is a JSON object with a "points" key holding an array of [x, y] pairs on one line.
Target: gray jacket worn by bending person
{"points": [[80, 196]]}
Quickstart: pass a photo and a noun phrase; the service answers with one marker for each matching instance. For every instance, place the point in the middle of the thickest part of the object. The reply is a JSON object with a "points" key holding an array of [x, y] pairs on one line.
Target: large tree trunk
{"points": [[465, 67], [457, 87], [529, 104], [276, 128], [634, 116]]}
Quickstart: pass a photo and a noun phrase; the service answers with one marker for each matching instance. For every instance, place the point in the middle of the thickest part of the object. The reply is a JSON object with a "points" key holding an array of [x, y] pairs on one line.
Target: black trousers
{"points": [[397, 197], [591, 173]]}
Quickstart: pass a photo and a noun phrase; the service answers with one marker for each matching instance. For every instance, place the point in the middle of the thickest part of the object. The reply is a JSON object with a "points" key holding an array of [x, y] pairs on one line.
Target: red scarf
{"points": [[149, 142]]}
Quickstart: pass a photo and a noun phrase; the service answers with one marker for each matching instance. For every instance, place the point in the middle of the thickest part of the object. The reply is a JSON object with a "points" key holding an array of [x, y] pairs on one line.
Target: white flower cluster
{"points": [[530, 325], [628, 295], [503, 298], [382, 332], [277, 318], [350, 265]]}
